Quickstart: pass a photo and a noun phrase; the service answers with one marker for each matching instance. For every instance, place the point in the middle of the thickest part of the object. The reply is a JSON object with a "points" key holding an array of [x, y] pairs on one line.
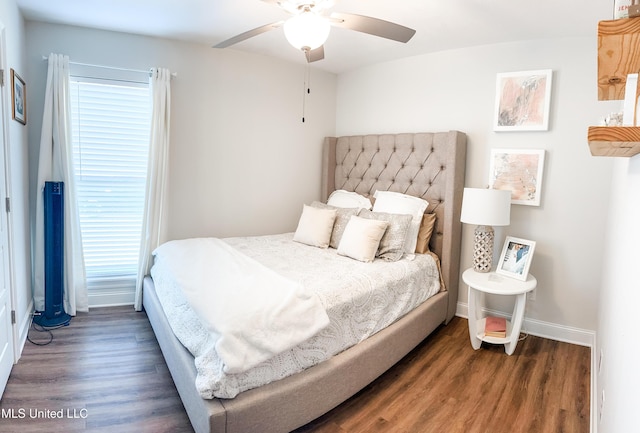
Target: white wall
{"points": [[242, 162], [236, 115], [19, 175], [618, 377], [456, 90]]}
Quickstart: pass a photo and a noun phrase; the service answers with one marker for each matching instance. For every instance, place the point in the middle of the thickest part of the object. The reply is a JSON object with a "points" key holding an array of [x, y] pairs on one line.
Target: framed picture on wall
{"points": [[523, 100], [519, 171], [18, 98], [516, 257]]}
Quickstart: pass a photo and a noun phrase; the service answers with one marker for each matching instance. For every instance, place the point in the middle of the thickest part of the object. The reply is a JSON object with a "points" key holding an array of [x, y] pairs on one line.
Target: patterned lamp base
{"points": [[483, 249]]}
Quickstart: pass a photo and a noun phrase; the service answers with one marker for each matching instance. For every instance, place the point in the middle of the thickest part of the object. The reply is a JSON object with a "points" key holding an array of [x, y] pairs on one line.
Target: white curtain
{"points": [[56, 164], [156, 174]]}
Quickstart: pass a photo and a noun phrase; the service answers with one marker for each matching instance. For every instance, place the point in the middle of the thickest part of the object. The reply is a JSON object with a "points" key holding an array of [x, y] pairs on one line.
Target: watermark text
{"points": [[34, 413]]}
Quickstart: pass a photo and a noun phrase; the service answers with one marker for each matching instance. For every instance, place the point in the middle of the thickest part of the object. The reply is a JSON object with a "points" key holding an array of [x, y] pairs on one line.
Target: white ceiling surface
{"points": [[440, 24]]}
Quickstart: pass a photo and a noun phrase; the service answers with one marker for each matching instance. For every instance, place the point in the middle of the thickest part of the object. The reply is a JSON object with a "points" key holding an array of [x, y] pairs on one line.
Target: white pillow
{"points": [[348, 199], [315, 226], [361, 238], [395, 202]]}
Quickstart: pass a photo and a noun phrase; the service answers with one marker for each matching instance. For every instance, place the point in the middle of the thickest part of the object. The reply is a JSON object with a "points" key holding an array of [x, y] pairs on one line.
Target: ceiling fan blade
{"points": [[372, 26], [249, 34], [315, 55]]}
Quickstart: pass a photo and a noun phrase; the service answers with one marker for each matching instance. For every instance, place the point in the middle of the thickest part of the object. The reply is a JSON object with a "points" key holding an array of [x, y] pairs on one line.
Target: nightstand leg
{"points": [[475, 309], [516, 323]]}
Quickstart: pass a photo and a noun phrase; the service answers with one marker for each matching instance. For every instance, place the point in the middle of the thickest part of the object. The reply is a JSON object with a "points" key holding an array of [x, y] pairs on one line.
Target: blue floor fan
{"points": [[53, 314]]}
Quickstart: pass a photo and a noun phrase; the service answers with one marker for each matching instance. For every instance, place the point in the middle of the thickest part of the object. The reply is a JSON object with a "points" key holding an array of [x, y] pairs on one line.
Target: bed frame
{"points": [[427, 165]]}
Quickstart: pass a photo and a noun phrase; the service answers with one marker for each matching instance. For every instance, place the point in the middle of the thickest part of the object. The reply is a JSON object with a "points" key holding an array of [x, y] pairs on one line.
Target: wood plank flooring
{"points": [[107, 367], [445, 386], [105, 372]]}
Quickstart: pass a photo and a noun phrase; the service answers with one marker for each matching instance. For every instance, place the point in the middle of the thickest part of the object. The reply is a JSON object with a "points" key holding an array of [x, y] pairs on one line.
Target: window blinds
{"points": [[110, 134]]}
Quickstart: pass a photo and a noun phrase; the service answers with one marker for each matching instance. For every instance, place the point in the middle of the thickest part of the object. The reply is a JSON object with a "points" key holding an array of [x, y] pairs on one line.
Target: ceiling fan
{"points": [[309, 27]]}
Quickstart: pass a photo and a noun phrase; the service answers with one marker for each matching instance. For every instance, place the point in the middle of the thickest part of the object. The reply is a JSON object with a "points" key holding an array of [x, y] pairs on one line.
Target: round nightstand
{"points": [[496, 284]]}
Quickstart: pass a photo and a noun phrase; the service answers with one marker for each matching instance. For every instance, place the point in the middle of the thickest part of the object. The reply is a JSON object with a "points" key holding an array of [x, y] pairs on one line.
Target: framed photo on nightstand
{"points": [[516, 257]]}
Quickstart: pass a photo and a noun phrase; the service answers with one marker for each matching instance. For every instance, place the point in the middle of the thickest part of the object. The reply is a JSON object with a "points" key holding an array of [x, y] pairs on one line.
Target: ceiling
{"points": [[440, 24]]}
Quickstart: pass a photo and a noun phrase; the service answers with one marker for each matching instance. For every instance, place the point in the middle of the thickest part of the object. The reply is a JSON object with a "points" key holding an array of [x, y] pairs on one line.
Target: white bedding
{"points": [[359, 298], [252, 312]]}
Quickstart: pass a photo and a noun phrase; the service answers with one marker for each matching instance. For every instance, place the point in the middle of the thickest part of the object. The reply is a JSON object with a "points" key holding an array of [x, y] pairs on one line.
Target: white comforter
{"points": [[359, 298], [251, 312]]}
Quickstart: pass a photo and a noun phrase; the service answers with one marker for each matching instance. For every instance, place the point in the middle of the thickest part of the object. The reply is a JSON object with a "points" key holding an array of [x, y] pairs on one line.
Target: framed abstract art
{"points": [[523, 100], [519, 171]]}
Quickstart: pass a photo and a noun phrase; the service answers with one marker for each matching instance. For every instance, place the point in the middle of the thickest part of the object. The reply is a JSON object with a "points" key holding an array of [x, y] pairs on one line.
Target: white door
{"points": [[6, 331]]}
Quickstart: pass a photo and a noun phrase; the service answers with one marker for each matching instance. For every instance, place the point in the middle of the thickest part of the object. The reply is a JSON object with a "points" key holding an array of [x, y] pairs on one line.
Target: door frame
{"points": [[5, 190]]}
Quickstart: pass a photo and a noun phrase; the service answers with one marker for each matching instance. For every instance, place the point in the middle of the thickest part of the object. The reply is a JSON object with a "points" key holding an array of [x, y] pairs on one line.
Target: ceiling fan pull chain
{"points": [[305, 85], [308, 78]]}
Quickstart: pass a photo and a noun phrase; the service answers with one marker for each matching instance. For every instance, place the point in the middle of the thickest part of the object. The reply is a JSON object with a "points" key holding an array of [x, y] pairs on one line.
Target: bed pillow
{"points": [[395, 202], [391, 246], [425, 232], [348, 199], [342, 218], [315, 226], [361, 238]]}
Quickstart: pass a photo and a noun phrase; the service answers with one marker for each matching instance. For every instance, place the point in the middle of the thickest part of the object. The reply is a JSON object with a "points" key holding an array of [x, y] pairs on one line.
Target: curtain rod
{"points": [[173, 74]]}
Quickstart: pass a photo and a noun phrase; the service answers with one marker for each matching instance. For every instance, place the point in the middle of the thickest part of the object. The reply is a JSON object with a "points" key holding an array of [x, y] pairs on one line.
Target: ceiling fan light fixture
{"points": [[306, 30]]}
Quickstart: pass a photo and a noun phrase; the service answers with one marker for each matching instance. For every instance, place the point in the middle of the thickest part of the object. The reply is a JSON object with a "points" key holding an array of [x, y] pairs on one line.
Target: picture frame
{"points": [[515, 259], [519, 171], [523, 100], [18, 98]]}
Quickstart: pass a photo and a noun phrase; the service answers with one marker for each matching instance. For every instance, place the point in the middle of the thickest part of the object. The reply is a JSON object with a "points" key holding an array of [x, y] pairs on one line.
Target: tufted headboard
{"points": [[426, 165]]}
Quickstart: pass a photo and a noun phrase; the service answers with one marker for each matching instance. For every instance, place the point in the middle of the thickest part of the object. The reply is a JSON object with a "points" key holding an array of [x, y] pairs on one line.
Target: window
{"points": [[110, 133]]}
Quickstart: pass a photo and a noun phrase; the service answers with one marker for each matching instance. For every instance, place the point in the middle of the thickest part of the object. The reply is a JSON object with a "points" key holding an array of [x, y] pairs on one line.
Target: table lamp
{"points": [[485, 208]]}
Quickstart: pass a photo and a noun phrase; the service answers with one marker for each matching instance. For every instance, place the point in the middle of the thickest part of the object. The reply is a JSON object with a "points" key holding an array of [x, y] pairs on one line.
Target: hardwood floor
{"points": [[445, 386], [105, 372], [106, 366]]}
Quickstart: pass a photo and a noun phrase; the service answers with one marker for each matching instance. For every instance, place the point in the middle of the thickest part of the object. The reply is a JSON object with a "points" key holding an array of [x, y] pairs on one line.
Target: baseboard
{"points": [[23, 331], [594, 386], [552, 331]]}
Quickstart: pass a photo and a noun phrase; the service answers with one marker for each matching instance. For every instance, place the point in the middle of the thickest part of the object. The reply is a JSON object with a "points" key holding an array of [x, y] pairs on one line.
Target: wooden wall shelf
{"points": [[614, 140], [618, 55]]}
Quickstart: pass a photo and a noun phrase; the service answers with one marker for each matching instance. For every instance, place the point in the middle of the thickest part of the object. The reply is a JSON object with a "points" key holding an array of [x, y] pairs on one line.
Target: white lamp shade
{"points": [[307, 30], [486, 207]]}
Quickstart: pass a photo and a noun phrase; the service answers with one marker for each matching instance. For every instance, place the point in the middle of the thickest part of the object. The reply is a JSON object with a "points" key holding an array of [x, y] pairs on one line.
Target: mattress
{"points": [[359, 298]]}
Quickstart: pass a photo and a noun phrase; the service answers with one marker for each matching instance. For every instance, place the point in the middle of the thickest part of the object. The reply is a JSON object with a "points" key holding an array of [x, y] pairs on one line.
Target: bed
{"points": [[426, 165]]}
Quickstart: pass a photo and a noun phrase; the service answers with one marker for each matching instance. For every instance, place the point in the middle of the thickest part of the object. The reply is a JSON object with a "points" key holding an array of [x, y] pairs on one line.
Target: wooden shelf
{"points": [[614, 140], [618, 55]]}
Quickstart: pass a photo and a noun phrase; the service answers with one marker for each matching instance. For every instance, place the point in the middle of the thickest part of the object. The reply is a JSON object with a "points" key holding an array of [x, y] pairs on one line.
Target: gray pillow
{"points": [[342, 218], [391, 246]]}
